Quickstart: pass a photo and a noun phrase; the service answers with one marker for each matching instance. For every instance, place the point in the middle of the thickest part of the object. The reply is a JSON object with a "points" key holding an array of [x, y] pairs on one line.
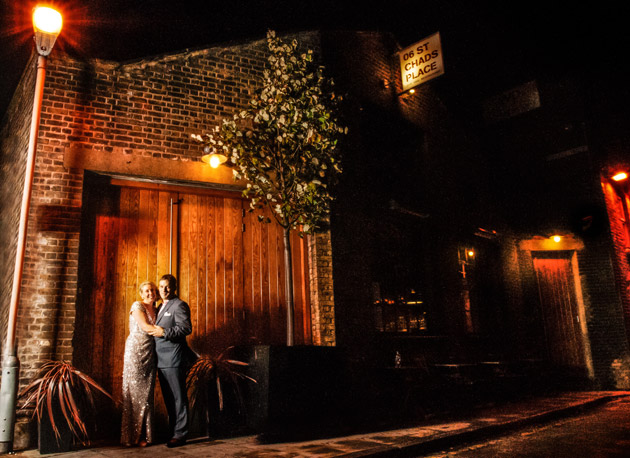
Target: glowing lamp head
{"points": [[471, 254], [47, 20], [620, 176], [47, 24], [214, 159], [556, 238]]}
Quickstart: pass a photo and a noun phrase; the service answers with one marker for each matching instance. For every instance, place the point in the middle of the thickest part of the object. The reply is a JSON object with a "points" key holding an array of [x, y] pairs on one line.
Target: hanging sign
{"points": [[421, 62]]}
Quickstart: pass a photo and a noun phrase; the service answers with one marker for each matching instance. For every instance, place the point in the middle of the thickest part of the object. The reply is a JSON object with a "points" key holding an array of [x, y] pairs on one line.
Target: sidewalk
{"points": [[428, 436]]}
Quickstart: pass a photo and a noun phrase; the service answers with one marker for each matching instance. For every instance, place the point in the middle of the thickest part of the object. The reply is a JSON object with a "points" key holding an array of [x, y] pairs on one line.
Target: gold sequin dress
{"points": [[138, 382]]}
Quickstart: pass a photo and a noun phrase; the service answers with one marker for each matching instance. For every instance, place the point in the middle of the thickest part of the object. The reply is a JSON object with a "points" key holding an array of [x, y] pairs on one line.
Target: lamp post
{"points": [[47, 24]]}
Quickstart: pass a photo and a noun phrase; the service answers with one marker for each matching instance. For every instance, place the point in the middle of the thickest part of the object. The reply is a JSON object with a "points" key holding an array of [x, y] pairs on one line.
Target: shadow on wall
{"points": [[218, 340], [48, 333]]}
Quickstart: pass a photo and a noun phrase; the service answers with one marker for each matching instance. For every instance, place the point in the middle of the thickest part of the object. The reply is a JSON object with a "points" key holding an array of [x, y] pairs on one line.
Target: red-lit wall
{"points": [[616, 206]]}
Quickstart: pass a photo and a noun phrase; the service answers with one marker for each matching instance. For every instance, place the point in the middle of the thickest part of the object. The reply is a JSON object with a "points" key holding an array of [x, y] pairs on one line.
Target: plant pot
{"points": [[47, 441], [230, 421], [60, 381], [299, 390]]}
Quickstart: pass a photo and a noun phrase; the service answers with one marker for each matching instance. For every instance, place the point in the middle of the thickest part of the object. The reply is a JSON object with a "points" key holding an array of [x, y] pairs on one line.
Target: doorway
{"points": [[562, 312], [229, 268]]}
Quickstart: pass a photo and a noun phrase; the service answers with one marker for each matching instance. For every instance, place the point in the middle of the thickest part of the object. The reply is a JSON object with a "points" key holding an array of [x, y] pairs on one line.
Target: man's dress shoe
{"points": [[176, 442]]}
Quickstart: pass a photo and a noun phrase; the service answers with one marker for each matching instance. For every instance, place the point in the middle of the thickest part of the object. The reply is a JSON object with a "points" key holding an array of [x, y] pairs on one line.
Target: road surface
{"points": [[600, 433]]}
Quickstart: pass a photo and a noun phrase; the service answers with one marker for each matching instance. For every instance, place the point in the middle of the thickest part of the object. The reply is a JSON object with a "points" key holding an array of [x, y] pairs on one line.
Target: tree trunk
{"points": [[288, 268]]}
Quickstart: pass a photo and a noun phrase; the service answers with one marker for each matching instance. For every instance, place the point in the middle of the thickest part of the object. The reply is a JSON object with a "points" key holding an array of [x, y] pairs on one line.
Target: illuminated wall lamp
{"points": [[407, 93], [620, 176], [213, 159], [466, 255]]}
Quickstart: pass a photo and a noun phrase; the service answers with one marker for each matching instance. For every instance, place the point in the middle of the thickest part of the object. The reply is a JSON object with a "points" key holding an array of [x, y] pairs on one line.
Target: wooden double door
{"points": [[229, 267]]}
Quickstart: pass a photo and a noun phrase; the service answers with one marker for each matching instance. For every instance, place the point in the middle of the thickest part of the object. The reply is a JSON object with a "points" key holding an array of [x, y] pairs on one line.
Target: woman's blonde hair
{"points": [[145, 283]]}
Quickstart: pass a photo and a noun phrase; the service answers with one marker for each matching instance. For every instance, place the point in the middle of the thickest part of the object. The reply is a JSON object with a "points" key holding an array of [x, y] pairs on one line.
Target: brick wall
{"points": [[521, 315], [321, 281], [148, 108], [14, 146], [618, 231], [603, 310], [610, 332], [143, 109], [407, 152], [552, 155]]}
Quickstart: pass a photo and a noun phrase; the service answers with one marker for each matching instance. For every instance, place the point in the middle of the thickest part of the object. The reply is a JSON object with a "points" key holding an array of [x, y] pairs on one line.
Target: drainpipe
{"points": [[10, 362], [47, 24]]}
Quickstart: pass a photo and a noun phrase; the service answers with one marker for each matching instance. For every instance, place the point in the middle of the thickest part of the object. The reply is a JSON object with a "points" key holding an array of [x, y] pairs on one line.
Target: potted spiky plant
{"points": [[214, 381], [62, 397]]}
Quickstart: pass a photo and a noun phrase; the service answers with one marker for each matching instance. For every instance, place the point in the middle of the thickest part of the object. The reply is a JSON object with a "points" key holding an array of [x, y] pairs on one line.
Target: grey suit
{"points": [[173, 357]]}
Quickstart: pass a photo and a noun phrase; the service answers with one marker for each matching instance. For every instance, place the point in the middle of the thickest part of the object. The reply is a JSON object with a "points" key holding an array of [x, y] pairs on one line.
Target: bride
{"points": [[139, 371]]}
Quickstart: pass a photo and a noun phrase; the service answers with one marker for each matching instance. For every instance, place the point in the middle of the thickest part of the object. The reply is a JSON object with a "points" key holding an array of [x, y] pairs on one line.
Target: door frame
{"points": [[570, 247], [94, 190]]}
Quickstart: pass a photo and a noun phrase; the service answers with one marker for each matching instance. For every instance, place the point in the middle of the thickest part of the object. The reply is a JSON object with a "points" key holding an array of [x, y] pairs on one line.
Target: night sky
{"points": [[483, 42]]}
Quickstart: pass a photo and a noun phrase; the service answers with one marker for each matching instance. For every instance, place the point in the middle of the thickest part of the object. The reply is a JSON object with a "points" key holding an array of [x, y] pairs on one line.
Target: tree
{"points": [[285, 146]]}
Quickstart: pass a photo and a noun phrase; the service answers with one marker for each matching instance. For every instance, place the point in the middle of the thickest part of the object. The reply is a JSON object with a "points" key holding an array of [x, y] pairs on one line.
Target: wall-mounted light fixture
{"points": [[620, 176], [466, 257], [405, 94], [558, 241], [213, 158]]}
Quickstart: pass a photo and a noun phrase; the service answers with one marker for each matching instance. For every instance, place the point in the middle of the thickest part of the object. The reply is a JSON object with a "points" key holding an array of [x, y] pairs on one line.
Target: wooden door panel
{"points": [[560, 313], [213, 267], [264, 283], [262, 305], [233, 279], [148, 241], [185, 249], [301, 287], [219, 262], [210, 267], [100, 303], [166, 209], [130, 246], [200, 320]]}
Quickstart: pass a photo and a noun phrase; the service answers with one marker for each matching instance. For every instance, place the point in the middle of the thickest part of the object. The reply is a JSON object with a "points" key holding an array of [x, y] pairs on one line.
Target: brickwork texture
{"points": [[146, 108]]}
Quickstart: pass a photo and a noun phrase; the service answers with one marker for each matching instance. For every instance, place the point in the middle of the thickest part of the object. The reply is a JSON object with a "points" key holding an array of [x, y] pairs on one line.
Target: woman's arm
{"points": [[141, 319]]}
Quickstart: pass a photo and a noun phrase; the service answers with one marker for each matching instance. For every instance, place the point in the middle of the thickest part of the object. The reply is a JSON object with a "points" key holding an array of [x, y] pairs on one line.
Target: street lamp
{"points": [[47, 25]]}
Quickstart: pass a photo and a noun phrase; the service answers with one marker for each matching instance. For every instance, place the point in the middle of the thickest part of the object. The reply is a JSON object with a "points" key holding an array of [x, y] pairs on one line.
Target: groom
{"points": [[173, 357]]}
